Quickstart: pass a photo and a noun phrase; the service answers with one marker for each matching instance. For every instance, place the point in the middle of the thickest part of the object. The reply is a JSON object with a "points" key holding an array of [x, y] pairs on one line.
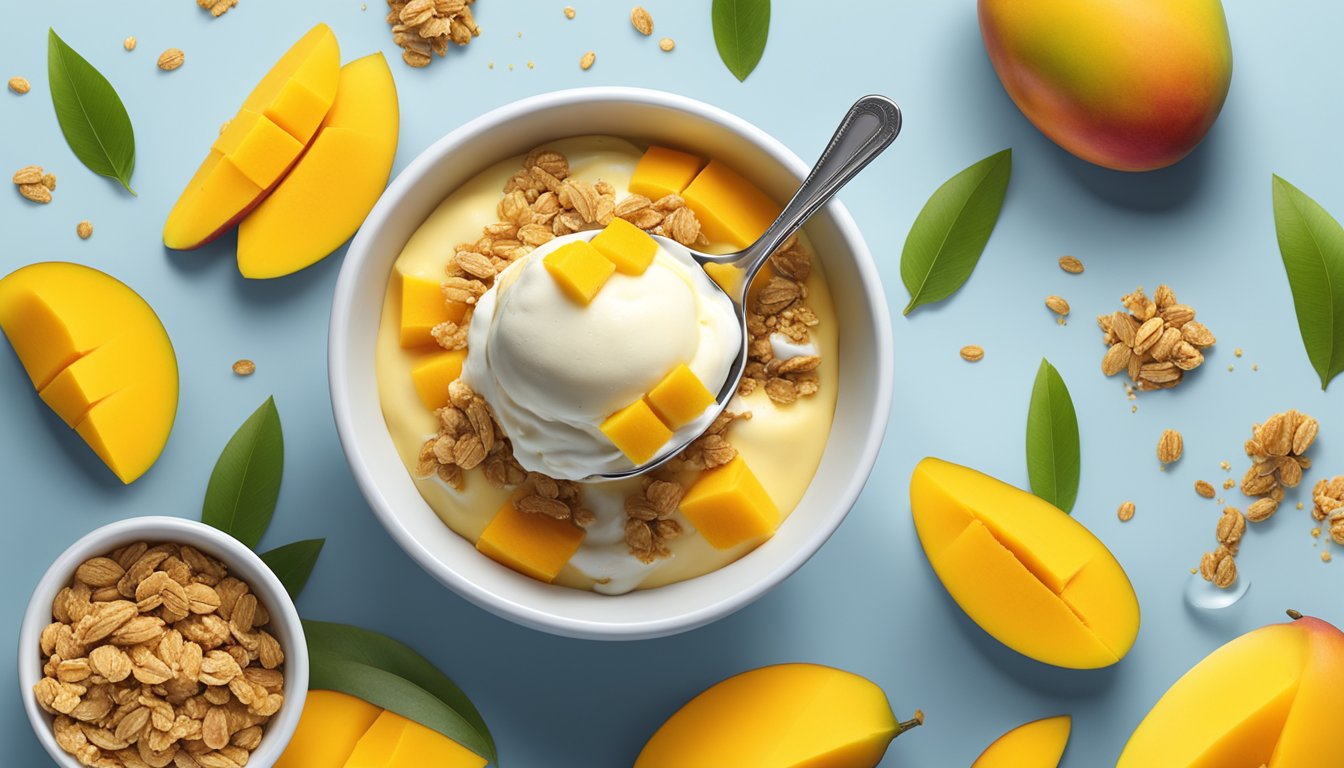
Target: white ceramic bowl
{"points": [[243, 564], [865, 363]]}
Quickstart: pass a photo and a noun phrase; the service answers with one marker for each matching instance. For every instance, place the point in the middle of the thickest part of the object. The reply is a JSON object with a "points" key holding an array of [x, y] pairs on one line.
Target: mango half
{"points": [[1030, 575], [1268, 698], [1038, 744], [785, 716], [1131, 85], [98, 356]]}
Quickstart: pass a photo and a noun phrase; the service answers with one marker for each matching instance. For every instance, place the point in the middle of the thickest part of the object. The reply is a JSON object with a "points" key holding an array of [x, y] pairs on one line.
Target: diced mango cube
{"points": [[298, 110], [729, 506], [637, 431], [627, 246], [328, 730], [662, 171], [680, 397], [433, 375], [261, 150], [579, 270], [534, 545], [423, 306], [730, 208]]}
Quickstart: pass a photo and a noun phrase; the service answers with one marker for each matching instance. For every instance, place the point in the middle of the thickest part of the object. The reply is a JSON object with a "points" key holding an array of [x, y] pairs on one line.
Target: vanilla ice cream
{"points": [[554, 370]]}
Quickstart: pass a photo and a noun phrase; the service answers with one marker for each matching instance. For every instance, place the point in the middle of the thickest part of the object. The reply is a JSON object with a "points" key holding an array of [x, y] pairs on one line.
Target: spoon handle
{"points": [[867, 128]]}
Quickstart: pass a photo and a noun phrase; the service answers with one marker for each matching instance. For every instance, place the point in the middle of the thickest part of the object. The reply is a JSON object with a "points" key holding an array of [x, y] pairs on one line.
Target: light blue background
{"points": [[868, 602]]}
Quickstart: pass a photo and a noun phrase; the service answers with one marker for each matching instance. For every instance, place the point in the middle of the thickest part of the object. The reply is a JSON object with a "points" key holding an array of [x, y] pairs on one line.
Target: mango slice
{"points": [[328, 731], [731, 209], [1038, 744], [98, 356], [785, 716], [423, 306], [432, 376], [534, 545], [1263, 699], [579, 270], [637, 431], [276, 122], [336, 182], [1027, 573], [729, 506], [395, 742], [680, 397], [627, 246], [662, 171]]}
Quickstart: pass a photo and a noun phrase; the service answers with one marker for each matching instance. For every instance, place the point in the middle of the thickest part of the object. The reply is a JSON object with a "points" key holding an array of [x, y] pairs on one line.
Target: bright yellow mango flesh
{"points": [[1038, 744], [534, 545], [785, 716], [98, 356], [432, 375], [729, 506], [731, 209], [395, 742], [277, 120], [1030, 575], [680, 397], [627, 246], [637, 431], [334, 185], [1266, 698], [424, 306], [579, 270], [662, 171], [341, 731]]}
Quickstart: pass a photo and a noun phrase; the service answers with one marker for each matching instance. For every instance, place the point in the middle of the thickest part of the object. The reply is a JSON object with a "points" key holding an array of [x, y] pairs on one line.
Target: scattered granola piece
{"points": [[49, 181], [171, 59], [1204, 488], [1237, 351], [1071, 264], [531, 65], [31, 181], [1325, 557], [1057, 305], [129, 43], [1170, 446], [587, 61], [667, 44], [19, 85], [1277, 450], [1316, 532], [641, 20], [1156, 342], [217, 8], [84, 229], [244, 367], [1261, 510], [1229, 484], [31, 174], [1225, 465], [1125, 512], [972, 353], [424, 28], [569, 12]]}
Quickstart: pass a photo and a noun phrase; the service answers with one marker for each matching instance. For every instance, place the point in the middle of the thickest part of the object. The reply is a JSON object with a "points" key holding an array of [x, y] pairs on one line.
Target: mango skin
{"points": [[1267, 698], [1130, 85], [1038, 744]]}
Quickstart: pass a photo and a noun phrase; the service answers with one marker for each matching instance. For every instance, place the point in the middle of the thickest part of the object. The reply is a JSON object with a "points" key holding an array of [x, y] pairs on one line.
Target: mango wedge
{"points": [[1038, 744], [1030, 575], [340, 731]]}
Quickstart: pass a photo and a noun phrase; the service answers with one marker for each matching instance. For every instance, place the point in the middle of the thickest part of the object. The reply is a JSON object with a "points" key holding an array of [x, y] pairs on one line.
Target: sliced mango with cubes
{"points": [[1030, 575], [729, 506], [98, 356], [432, 375], [579, 270], [1038, 744], [276, 122], [534, 545], [731, 209], [627, 246], [680, 397], [335, 183], [662, 171], [337, 730], [424, 306], [637, 431]]}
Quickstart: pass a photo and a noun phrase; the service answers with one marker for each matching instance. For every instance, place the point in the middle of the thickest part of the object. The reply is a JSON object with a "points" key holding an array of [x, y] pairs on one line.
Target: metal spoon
{"points": [[867, 128]]}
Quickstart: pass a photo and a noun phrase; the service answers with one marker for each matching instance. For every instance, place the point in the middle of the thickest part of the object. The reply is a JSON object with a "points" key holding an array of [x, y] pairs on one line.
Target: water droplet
{"points": [[1203, 594]]}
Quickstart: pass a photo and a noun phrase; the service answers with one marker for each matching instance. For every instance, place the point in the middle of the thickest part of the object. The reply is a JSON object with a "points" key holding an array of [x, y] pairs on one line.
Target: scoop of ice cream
{"points": [[553, 370]]}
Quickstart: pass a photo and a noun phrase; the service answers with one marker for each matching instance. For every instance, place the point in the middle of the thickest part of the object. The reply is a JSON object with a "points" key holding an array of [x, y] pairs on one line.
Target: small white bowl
{"points": [[243, 564], [865, 376]]}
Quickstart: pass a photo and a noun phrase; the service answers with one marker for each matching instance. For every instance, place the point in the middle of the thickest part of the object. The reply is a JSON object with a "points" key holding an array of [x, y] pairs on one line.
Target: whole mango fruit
{"points": [[1131, 85]]}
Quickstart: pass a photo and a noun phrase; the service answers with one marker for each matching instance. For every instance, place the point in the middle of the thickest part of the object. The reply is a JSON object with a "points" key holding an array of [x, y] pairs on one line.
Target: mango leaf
{"points": [[952, 229], [741, 28], [1054, 459], [293, 563], [245, 483], [387, 673], [1311, 243], [90, 113]]}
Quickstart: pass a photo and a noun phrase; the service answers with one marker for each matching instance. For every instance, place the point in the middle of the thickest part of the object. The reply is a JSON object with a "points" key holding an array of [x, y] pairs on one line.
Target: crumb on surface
{"points": [[244, 367]]}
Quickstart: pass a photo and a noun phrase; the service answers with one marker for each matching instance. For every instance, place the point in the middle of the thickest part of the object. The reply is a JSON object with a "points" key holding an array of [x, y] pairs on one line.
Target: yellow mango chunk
{"points": [[627, 246], [245, 163], [785, 716], [729, 506], [99, 357], [662, 171], [328, 730], [534, 545], [680, 397], [1038, 744], [730, 208], [336, 182], [1030, 575], [579, 270], [637, 431], [423, 306], [432, 376]]}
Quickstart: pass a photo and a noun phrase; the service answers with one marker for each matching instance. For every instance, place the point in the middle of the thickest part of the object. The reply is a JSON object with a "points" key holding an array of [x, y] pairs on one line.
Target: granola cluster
{"points": [[425, 27], [1220, 565], [217, 8], [648, 522], [780, 307], [1156, 342], [35, 184], [468, 438], [1328, 498], [158, 657]]}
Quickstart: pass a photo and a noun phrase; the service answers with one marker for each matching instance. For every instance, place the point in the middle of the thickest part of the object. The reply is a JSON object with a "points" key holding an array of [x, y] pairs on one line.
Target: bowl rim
{"points": [[280, 729], [532, 616]]}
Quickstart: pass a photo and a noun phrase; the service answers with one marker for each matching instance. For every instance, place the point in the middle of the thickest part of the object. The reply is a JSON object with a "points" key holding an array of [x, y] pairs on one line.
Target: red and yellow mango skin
{"points": [[1131, 85]]}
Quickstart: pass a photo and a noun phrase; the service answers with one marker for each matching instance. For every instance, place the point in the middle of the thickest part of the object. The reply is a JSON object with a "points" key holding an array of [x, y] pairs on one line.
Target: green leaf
{"points": [[90, 112], [741, 28], [293, 563], [1311, 243], [387, 673], [245, 484], [951, 231], [1053, 457]]}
